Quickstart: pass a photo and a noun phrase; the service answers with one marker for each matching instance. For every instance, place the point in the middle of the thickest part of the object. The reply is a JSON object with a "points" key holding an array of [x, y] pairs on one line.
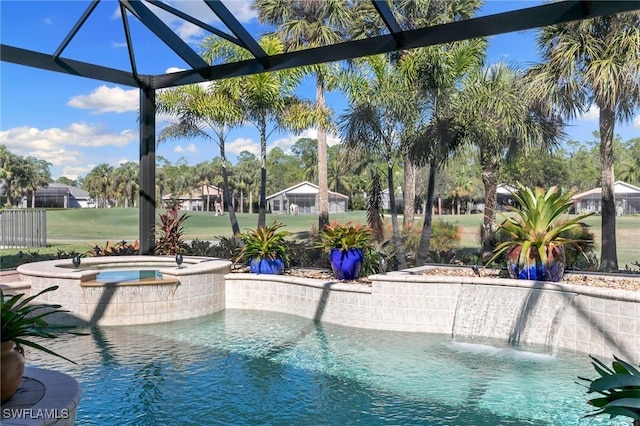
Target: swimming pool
{"points": [[256, 367]]}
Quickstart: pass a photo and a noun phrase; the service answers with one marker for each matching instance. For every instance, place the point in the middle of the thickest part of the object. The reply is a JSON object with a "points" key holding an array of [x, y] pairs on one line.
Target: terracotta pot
{"points": [[12, 366]]}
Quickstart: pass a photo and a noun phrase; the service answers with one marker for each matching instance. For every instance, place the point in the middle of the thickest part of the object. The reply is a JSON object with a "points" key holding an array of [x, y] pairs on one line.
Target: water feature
{"points": [[511, 314], [256, 367]]}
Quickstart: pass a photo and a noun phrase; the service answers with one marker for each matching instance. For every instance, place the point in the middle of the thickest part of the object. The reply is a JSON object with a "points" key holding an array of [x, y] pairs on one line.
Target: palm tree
{"points": [[99, 183], [307, 24], [202, 108], [432, 72], [126, 181], [437, 71], [594, 62], [38, 174], [374, 121], [267, 99], [500, 116]]}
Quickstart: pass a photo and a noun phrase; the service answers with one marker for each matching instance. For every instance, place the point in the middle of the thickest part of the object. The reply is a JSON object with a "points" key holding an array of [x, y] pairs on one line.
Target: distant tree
{"points": [[285, 170], [126, 182], [502, 118], [11, 172], [594, 62], [374, 121], [201, 109], [37, 176], [246, 177], [305, 151], [267, 99], [99, 183], [67, 181], [308, 24], [629, 170]]}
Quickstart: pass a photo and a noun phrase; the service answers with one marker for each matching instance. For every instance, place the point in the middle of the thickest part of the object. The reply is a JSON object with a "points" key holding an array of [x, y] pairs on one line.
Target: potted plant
{"points": [[535, 244], [346, 244], [22, 321], [265, 249]]}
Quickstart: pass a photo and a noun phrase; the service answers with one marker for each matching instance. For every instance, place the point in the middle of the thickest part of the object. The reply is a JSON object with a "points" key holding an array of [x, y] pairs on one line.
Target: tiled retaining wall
{"points": [[192, 291], [601, 322]]}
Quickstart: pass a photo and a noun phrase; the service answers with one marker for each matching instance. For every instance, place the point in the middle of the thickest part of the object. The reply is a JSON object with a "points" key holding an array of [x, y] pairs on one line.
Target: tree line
{"points": [[574, 167]]}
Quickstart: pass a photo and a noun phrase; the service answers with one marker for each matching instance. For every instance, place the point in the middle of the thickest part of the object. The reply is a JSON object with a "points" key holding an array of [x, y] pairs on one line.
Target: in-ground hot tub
{"points": [[194, 289]]}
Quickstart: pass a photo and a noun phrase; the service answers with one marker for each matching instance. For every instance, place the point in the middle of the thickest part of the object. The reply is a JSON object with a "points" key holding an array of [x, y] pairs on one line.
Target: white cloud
{"points": [[287, 142], [74, 172], [47, 21], [592, 115], [107, 99], [50, 141], [118, 44], [636, 121], [242, 144], [189, 148]]}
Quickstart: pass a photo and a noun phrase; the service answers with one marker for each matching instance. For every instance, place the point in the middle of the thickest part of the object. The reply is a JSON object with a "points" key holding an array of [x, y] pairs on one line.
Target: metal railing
{"points": [[23, 228]]}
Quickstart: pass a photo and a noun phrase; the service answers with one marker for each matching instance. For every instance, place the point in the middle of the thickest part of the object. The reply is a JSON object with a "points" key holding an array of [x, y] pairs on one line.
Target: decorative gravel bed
{"points": [[594, 279]]}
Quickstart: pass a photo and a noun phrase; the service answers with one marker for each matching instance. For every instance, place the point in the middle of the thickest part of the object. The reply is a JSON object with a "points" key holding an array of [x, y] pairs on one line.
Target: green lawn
{"points": [[79, 229]]}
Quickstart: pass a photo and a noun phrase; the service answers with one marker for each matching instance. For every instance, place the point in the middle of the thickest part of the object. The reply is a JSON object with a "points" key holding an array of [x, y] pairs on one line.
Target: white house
{"points": [[627, 199], [304, 198]]}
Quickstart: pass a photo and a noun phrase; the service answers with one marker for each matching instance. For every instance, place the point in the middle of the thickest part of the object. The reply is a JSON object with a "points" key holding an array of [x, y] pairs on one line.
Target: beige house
{"points": [[201, 199], [627, 199]]}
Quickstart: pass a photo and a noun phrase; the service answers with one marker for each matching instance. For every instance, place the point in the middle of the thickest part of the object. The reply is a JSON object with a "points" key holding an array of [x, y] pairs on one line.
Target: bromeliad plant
{"points": [[345, 236], [618, 389], [347, 245], [535, 245], [265, 248]]}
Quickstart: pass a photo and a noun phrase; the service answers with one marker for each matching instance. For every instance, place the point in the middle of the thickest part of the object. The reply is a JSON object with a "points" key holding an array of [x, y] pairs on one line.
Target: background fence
{"points": [[23, 228]]}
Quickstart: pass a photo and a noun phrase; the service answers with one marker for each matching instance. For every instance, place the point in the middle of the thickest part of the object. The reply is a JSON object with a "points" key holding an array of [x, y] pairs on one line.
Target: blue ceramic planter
{"points": [[536, 270], [266, 266], [346, 264]]}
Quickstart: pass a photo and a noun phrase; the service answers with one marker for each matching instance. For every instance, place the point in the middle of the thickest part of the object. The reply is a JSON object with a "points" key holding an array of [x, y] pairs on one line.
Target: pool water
{"points": [[254, 367]]}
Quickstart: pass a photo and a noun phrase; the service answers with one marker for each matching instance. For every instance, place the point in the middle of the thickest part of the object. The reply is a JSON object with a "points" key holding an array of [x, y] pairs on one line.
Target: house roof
{"points": [[75, 192], [619, 188], [201, 192], [306, 188], [506, 189]]}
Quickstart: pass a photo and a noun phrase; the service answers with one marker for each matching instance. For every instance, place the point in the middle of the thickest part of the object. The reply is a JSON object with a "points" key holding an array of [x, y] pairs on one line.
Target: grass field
{"points": [[79, 229]]}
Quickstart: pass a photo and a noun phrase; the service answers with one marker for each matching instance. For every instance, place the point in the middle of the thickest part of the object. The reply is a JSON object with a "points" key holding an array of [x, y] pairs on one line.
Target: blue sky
{"points": [[77, 123]]}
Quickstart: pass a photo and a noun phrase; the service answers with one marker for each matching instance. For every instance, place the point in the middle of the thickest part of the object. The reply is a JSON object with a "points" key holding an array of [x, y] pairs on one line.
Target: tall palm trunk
{"points": [[323, 181], [427, 230], [262, 206], [490, 175], [397, 238], [409, 192], [227, 194], [608, 255]]}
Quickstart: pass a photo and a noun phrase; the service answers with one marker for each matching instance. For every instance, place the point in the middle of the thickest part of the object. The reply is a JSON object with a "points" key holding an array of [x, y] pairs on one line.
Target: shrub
{"points": [[444, 236], [121, 248], [170, 232]]}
